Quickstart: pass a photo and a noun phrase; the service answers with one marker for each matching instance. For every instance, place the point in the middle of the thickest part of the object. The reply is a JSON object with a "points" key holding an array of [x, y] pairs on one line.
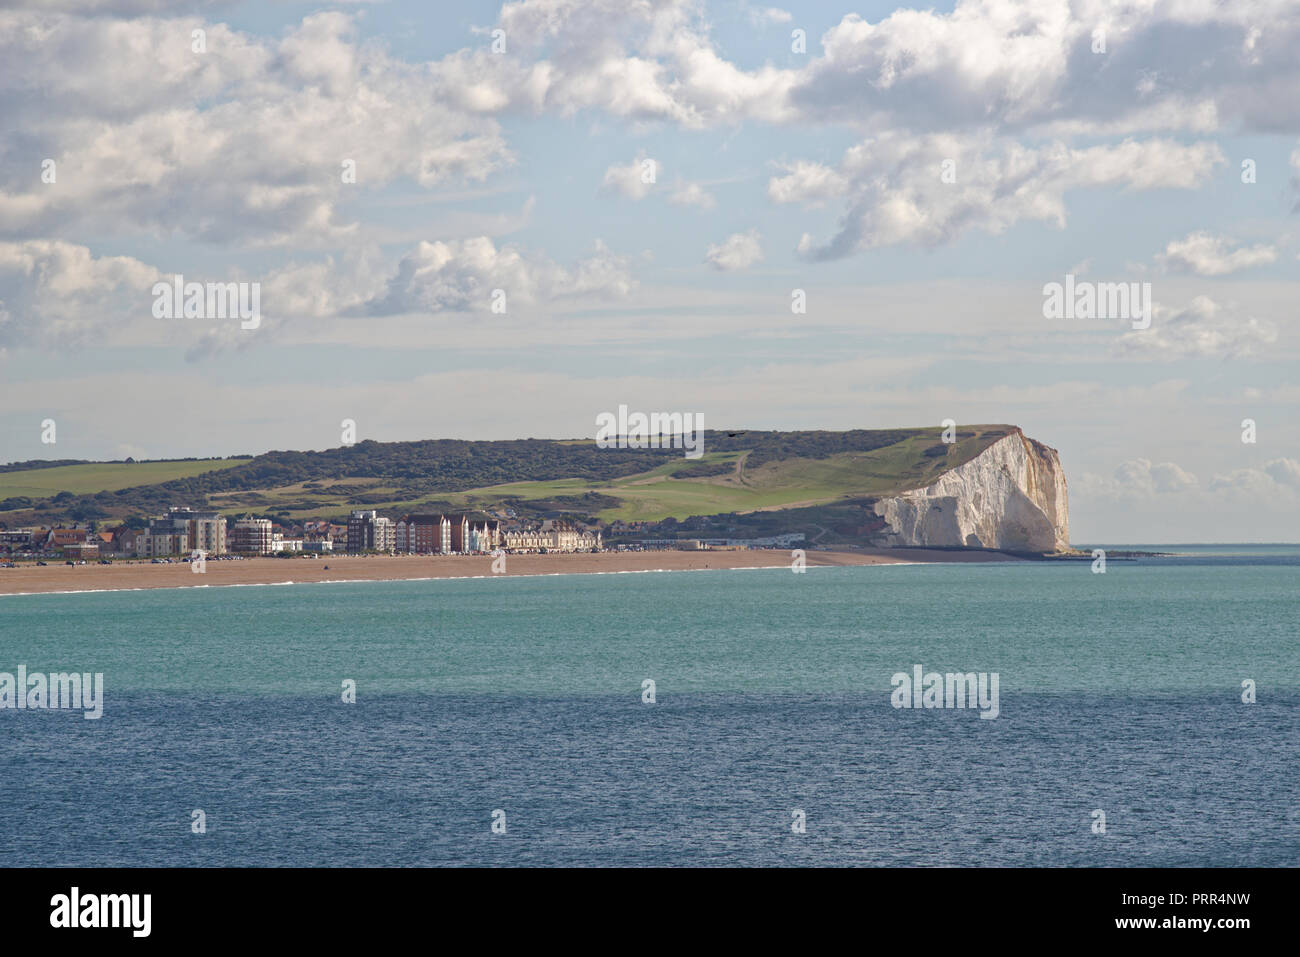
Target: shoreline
{"points": [[144, 575]]}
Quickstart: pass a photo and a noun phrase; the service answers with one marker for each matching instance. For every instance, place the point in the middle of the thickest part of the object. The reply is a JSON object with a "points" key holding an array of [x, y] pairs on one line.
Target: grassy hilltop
{"points": [[770, 477]]}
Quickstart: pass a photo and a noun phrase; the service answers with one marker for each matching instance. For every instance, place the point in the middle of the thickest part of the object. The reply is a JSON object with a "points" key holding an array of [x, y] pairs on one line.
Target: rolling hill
{"points": [[746, 482]]}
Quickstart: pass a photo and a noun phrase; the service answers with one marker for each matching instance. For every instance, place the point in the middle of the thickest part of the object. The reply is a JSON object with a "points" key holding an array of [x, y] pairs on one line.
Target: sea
{"points": [[1147, 716]]}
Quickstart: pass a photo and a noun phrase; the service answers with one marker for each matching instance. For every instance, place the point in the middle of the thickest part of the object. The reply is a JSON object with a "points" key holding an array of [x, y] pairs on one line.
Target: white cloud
{"points": [[1005, 65], [54, 293], [763, 16], [897, 191], [1016, 65], [1208, 255], [461, 276], [1141, 475], [691, 194], [1284, 472], [245, 142], [737, 251], [634, 180], [808, 183], [1202, 329], [1254, 483]]}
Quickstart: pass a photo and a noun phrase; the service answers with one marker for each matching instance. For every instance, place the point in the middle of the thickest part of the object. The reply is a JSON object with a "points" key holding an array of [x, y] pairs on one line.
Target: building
{"points": [[484, 538], [553, 536], [524, 540], [124, 540], [459, 533], [16, 539], [431, 534], [369, 531], [281, 544], [181, 531], [162, 540], [60, 538], [423, 535], [252, 536], [86, 551], [207, 530]]}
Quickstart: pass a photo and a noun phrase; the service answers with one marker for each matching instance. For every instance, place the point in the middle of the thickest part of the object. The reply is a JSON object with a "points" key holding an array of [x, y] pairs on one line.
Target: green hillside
{"points": [[103, 476], [742, 473]]}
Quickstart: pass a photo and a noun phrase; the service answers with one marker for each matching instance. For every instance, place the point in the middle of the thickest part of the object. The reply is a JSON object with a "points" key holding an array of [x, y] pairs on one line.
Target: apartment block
{"points": [[367, 531], [252, 536]]}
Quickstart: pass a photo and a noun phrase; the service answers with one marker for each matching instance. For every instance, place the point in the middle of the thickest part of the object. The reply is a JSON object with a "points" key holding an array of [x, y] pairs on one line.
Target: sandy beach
{"points": [[29, 578]]}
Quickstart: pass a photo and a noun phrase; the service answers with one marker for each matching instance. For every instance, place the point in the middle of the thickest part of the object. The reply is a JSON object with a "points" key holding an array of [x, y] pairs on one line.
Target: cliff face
{"points": [[1011, 496]]}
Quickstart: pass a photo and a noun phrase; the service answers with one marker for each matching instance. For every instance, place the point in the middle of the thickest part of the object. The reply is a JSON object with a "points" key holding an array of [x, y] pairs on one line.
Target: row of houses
{"points": [[183, 531], [76, 543], [554, 536], [443, 534]]}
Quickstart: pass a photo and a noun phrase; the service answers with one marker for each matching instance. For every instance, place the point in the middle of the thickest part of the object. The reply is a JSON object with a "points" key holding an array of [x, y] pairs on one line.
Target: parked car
{"points": [[106, 561], [69, 562], [42, 563]]}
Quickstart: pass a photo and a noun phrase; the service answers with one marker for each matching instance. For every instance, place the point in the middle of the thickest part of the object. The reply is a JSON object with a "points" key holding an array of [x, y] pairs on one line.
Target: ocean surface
{"points": [[1118, 692]]}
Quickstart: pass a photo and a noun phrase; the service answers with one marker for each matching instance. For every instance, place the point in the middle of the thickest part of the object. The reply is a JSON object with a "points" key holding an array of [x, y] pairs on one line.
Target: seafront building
{"points": [[369, 531], [181, 531], [553, 536], [436, 534], [252, 536], [423, 535]]}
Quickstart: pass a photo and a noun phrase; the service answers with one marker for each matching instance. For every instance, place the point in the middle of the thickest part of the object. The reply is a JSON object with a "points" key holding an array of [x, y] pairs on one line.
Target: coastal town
{"points": [[187, 532], [184, 533]]}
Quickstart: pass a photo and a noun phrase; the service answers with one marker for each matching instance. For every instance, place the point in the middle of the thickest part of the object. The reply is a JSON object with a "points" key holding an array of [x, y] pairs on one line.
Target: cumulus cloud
{"points": [[1142, 475], [763, 16], [634, 180], [461, 276], [1141, 479], [807, 183], [1277, 478], [246, 141], [1202, 329], [1000, 64], [737, 251], [243, 143], [1015, 65], [1207, 255], [930, 189], [1284, 472], [54, 293]]}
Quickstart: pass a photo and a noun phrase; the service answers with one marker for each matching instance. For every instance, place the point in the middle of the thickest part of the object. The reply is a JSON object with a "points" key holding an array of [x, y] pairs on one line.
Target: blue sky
{"points": [[774, 171]]}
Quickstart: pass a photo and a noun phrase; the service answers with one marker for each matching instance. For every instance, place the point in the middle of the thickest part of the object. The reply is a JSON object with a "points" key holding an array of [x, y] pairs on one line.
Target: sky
{"points": [[483, 220]]}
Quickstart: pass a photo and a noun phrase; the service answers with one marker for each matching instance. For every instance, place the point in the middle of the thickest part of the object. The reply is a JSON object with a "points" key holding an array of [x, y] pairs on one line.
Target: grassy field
{"points": [[102, 477], [657, 494]]}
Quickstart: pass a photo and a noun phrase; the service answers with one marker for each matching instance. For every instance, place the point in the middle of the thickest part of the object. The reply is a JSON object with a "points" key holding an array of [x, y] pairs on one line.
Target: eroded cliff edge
{"points": [[1011, 496]]}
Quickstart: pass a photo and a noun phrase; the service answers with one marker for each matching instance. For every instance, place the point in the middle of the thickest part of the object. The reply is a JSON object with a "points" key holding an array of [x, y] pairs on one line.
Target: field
{"points": [[778, 471], [657, 493], [103, 476]]}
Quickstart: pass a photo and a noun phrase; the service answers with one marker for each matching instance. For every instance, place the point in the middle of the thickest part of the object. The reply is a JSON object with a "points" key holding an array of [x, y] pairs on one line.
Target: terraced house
{"points": [[436, 534], [554, 536]]}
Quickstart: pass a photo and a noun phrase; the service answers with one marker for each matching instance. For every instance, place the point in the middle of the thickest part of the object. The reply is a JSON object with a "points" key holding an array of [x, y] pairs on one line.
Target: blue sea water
{"points": [[1119, 692]]}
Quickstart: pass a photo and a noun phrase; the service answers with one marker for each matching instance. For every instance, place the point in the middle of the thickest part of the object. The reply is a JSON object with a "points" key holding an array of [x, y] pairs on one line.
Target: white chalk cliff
{"points": [[1010, 496]]}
